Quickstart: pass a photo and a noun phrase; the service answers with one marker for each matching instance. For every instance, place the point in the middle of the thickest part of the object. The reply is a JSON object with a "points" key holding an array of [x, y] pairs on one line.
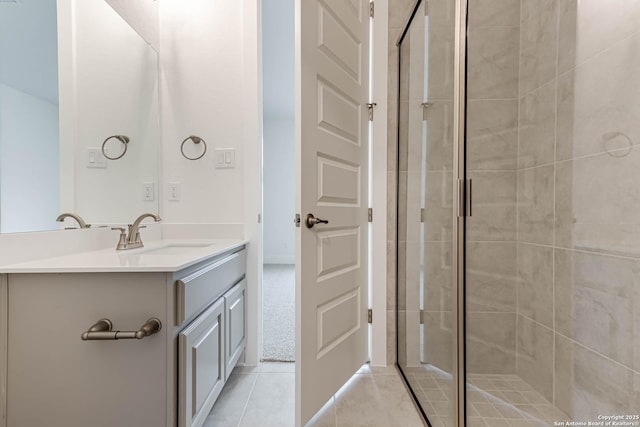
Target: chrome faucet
{"points": [[77, 217], [133, 240]]}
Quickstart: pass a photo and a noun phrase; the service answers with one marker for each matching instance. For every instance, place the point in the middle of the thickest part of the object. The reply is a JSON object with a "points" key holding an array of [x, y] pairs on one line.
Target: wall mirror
{"points": [[72, 74]]}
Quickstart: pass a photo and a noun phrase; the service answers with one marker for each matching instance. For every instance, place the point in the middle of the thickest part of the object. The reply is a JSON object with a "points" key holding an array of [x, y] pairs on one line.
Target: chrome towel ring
{"points": [[122, 138], [195, 140]]}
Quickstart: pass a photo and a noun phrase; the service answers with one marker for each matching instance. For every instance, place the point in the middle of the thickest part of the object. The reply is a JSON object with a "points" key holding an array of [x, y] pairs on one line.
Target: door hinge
{"points": [[296, 220], [370, 215], [422, 215], [259, 218], [369, 316], [422, 317], [371, 9], [425, 107], [370, 109]]}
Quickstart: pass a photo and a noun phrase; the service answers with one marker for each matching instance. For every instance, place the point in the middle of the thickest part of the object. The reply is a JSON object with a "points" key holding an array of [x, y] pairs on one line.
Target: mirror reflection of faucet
{"points": [[133, 240], [77, 217]]}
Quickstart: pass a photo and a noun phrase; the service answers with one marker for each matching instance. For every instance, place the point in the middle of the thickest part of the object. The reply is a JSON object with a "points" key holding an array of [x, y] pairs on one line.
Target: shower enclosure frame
{"points": [[462, 209]]}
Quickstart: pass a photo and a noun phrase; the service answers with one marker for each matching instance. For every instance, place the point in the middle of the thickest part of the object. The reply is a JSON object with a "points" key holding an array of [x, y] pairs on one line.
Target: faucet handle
{"points": [[136, 238], [122, 242]]}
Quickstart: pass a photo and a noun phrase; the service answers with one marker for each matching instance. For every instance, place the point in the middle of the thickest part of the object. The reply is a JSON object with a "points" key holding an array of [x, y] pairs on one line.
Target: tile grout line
{"points": [[517, 201], [244, 409], [596, 55], [555, 216], [573, 341]]}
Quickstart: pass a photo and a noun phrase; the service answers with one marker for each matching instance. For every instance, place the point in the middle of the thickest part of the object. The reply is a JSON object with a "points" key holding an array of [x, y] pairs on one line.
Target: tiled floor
{"points": [[263, 396], [493, 400]]}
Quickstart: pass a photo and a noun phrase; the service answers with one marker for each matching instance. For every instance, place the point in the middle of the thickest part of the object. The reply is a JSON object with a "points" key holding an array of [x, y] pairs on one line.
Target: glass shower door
{"points": [[553, 246], [426, 327]]}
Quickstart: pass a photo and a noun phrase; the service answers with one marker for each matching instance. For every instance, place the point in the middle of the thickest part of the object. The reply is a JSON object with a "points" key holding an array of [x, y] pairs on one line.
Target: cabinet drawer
{"points": [[234, 302], [202, 365], [199, 288]]}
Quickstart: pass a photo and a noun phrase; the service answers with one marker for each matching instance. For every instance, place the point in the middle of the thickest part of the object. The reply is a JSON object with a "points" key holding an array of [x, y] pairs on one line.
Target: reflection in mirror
{"points": [[29, 194], [115, 84], [50, 146]]}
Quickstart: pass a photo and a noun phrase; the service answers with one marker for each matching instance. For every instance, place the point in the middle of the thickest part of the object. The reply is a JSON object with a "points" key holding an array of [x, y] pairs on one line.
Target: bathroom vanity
{"points": [[195, 289]]}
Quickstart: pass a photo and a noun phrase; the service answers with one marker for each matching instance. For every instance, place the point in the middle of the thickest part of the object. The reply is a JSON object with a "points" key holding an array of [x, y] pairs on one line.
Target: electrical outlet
{"points": [[148, 191], [174, 191]]}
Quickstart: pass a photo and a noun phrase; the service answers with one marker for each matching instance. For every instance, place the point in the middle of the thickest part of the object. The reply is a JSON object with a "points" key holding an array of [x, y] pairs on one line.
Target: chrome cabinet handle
{"points": [[311, 220], [102, 330]]}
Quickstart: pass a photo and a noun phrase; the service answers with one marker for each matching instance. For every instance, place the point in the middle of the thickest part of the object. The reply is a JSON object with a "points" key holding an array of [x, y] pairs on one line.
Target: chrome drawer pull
{"points": [[102, 330]]}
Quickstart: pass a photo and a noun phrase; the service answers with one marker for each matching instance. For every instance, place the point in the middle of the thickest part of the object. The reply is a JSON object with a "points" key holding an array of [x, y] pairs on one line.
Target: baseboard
{"points": [[279, 260]]}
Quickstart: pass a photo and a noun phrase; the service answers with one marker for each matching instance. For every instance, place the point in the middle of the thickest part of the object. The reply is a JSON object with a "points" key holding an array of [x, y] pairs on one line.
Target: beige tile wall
{"points": [[492, 144], [553, 273], [578, 266]]}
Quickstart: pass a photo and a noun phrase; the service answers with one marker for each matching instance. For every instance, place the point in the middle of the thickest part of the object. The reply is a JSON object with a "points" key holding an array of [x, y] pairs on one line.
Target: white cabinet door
{"points": [[234, 302], [201, 360], [55, 379]]}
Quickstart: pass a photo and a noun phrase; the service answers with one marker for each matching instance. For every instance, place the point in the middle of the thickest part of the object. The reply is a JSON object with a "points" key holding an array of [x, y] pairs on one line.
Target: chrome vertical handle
{"points": [[469, 194], [311, 220]]}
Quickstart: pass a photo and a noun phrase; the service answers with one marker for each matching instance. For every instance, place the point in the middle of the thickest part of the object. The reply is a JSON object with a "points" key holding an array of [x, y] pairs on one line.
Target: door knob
{"points": [[311, 220]]}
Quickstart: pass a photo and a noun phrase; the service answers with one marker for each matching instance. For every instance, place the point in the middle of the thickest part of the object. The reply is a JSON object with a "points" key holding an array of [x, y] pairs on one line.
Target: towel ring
{"points": [[122, 138], [196, 140]]}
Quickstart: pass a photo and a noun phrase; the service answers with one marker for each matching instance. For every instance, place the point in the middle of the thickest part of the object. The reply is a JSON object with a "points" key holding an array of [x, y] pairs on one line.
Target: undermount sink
{"points": [[175, 248]]}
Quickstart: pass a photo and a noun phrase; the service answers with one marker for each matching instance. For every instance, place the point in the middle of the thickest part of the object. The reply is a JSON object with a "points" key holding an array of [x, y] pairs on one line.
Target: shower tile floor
{"points": [[263, 396], [493, 400]]}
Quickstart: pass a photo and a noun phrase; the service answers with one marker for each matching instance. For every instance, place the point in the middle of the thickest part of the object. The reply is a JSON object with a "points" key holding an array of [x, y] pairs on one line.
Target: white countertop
{"points": [[187, 252]]}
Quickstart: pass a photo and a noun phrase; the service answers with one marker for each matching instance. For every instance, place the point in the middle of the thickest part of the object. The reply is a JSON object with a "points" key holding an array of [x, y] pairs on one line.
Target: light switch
{"points": [[225, 158], [95, 159]]}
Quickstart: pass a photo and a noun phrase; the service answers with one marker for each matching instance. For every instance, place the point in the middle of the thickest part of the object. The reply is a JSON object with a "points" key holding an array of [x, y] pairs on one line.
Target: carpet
{"points": [[278, 313]]}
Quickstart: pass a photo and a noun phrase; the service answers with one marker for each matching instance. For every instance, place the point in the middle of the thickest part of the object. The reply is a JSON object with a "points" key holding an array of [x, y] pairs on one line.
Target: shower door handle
{"points": [[311, 220]]}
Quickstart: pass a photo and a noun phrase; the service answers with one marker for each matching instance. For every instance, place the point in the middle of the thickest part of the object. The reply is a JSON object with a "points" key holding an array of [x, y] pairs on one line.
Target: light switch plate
{"points": [[225, 158], [95, 158]]}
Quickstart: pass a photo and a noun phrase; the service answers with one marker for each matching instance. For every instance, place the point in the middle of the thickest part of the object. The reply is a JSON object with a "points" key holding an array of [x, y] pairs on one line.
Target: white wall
{"points": [[28, 162], [115, 85], [278, 36], [279, 191], [201, 94], [210, 87], [29, 26], [28, 116]]}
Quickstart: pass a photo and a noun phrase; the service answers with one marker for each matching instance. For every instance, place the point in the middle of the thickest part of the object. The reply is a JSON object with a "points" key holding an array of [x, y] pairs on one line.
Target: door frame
{"points": [[252, 158]]}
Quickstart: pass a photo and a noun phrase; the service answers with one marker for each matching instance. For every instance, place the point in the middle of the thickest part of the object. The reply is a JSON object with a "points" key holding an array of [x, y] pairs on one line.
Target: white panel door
{"points": [[332, 81]]}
